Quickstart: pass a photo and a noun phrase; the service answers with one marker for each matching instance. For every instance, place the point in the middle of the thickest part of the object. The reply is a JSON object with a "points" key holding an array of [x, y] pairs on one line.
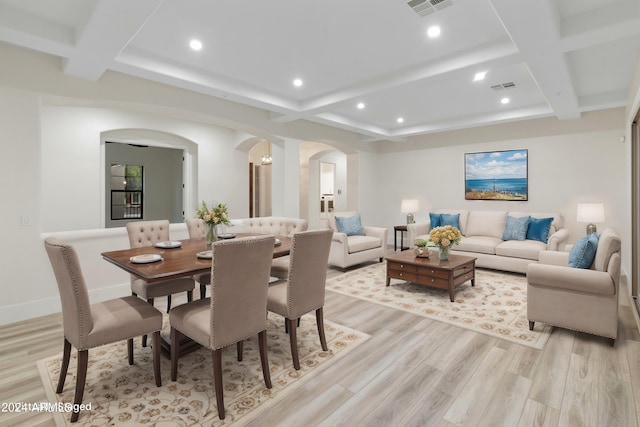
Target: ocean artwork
{"points": [[496, 175]]}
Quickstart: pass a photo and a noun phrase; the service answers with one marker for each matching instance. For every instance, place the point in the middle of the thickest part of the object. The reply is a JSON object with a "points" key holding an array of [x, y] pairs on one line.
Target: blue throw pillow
{"points": [[539, 229], [351, 226], [435, 219], [584, 251], [516, 228], [450, 219]]}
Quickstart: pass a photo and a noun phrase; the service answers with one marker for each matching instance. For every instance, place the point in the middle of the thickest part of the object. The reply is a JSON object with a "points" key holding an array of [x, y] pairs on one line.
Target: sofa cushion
{"points": [[351, 226], [525, 249], [583, 252], [480, 244], [464, 214], [516, 228], [434, 219], [539, 229], [450, 219], [486, 223], [362, 243], [556, 224]]}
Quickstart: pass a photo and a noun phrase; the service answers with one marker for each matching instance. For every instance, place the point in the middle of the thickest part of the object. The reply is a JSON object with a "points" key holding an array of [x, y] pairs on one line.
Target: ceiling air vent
{"points": [[427, 7], [503, 86]]}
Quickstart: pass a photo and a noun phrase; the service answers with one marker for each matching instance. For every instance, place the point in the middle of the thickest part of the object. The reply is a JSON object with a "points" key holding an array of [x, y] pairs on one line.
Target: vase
{"points": [[211, 234], [444, 253]]}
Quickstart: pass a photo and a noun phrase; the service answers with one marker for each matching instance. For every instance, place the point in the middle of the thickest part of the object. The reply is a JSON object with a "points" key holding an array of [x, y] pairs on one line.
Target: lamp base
{"points": [[410, 218], [591, 228]]}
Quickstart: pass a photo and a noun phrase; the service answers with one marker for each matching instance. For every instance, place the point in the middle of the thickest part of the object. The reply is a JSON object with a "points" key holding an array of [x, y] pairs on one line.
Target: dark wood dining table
{"points": [[177, 262]]}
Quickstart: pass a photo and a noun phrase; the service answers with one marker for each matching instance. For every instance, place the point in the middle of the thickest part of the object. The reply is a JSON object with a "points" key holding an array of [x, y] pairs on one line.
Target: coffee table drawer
{"points": [[437, 282], [409, 276], [400, 266], [435, 272], [463, 269]]}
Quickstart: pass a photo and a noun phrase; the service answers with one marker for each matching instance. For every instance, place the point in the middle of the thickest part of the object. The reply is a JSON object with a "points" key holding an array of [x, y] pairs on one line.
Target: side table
{"points": [[401, 229]]}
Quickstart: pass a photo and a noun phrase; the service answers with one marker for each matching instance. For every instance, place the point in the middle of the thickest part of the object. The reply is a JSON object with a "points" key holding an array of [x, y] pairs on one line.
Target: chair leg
{"points": [[83, 359], [168, 303], [239, 346], [531, 325], [293, 341], [144, 337], [203, 291], [189, 296], [176, 337], [320, 323], [156, 357], [264, 360], [217, 379], [130, 350], [66, 355], [381, 259]]}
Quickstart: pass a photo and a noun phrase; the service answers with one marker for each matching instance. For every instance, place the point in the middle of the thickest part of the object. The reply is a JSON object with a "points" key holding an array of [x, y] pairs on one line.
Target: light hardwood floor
{"points": [[411, 372]]}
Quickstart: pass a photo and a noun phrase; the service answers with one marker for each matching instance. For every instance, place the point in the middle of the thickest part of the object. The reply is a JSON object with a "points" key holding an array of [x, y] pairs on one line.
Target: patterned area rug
{"points": [[120, 394], [496, 305]]}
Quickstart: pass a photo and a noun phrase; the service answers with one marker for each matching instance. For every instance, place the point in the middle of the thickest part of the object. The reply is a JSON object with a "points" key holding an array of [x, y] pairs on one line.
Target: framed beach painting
{"points": [[496, 175]]}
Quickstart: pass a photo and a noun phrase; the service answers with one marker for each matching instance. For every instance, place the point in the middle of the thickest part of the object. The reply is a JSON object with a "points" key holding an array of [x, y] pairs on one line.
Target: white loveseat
{"points": [[482, 233]]}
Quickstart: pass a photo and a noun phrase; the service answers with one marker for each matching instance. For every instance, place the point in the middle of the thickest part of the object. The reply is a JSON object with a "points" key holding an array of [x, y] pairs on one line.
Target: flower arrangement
{"points": [[444, 237], [218, 214]]}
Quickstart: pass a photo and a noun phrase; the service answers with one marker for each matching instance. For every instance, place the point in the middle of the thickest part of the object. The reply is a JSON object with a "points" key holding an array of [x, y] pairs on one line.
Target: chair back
{"points": [[147, 233], [195, 227], [307, 271], [76, 307], [239, 284]]}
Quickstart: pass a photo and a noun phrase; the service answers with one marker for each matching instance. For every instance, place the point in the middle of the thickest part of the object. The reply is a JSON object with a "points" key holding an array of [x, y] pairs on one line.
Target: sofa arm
{"points": [[557, 240], [415, 230], [379, 232], [554, 258], [573, 279], [339, 237]]}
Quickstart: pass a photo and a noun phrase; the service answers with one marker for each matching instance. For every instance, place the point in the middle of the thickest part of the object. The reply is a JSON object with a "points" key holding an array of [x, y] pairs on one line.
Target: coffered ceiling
{"points": [[550, 58]]}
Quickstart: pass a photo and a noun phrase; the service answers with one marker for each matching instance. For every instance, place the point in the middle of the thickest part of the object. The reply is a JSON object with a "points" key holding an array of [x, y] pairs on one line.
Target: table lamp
{"points": [[409, 206], [590, 213]]}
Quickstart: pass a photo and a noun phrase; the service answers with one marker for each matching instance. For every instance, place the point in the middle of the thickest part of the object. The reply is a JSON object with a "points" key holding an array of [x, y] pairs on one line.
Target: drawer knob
{"points": [[433, 271], [401, 265], [433, 280], [400, 274]]}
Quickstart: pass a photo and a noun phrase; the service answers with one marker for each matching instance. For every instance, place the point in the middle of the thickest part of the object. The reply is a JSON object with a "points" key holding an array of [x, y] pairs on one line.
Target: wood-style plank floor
{"points": [[411, 372]]}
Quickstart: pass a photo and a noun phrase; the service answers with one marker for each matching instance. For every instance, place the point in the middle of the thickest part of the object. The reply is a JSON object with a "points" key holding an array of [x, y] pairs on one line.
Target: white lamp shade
{"points": [[409, 205], [590, 212]]}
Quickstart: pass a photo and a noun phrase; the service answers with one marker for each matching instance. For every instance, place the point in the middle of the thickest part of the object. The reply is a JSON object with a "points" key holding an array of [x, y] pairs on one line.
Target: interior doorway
{"points": [[260, 180]]}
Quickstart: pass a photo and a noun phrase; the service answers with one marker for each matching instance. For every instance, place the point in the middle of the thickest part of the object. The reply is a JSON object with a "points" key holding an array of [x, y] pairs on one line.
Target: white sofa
{"points": [[482, 233], [351, 250]]}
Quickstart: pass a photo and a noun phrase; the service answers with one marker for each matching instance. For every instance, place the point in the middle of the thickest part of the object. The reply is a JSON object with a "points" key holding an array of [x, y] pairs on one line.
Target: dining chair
{"points": [[196, 229], [303, 290], [148, 233], [236, 310], [89, 325]]}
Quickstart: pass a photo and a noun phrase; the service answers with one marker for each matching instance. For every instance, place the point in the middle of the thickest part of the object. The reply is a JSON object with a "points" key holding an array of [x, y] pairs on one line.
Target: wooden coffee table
{"points": [[431, 271]]}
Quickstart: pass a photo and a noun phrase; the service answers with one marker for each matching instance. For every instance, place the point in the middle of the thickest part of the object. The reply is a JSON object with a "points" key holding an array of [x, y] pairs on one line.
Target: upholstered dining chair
{"points": [[196, 229], [148, 233], [303, 290], [236, 310], [89, 325]]}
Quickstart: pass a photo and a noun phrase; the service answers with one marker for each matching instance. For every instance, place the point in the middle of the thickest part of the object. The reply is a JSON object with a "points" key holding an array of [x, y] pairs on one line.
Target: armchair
{"points": [[579, 299], [351, 250]]}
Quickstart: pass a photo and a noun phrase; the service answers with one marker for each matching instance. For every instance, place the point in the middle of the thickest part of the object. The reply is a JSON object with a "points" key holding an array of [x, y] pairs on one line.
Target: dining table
{"points": [[175, 259]]}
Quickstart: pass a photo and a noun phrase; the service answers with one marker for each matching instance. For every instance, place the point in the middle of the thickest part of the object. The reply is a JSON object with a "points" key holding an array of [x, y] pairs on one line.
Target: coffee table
{"points": [[431, 271]]}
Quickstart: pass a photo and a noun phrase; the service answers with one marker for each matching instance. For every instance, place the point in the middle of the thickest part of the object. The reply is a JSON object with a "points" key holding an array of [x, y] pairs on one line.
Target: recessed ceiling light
{"points": [[433, 31], [400, 120], [504, 100], [479, 76], [297, 82], [195, 44], [360, 105]]}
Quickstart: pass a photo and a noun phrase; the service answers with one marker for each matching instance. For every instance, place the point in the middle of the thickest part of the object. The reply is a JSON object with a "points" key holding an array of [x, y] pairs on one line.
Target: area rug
{"points": [[496, 305], [120, 394]]}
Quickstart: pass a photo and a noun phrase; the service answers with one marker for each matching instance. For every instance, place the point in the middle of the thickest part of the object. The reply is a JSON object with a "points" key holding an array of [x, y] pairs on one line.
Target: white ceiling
{"points": [[564, 56]]}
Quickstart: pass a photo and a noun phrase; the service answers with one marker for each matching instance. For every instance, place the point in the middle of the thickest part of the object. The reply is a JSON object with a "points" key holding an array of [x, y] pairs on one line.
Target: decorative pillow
{"points": [[435, 219], [351, 226], [539, 229], [450, 219], [516, 228], [584, 251]]}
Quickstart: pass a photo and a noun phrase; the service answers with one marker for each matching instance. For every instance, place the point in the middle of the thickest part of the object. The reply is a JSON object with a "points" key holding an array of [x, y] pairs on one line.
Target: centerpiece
{"points": [[444, 237], [212, 217], [422, 249]]}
